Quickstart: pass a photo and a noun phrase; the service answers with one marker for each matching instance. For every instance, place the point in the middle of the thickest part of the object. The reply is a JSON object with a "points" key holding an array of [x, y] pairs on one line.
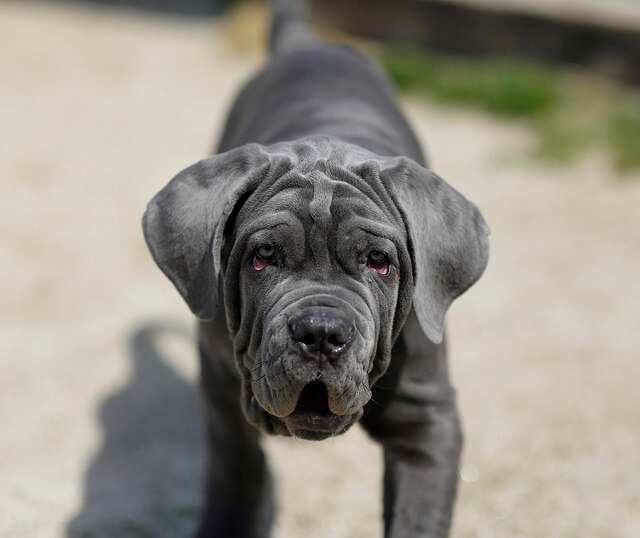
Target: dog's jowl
{"points": [[320, 255]]}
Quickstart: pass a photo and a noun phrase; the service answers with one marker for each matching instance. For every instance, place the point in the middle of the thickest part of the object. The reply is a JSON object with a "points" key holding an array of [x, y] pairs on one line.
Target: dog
{"points": [[320, 255]]}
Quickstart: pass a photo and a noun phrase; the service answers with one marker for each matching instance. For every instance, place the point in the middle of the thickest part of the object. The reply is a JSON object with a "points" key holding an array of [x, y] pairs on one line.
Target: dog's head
{"points": [[316, 251]]}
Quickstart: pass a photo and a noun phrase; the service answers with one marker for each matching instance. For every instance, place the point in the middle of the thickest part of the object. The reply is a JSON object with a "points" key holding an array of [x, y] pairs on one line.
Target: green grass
{"points": [[503, 87], [568, 113], [624, 138]]}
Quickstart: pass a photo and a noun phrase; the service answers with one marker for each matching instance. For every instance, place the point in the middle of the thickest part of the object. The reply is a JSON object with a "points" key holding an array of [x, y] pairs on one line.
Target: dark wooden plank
{"points": [[490, 28]]}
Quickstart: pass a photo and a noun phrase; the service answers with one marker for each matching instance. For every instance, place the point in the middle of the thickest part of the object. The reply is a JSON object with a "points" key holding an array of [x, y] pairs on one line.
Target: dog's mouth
{"points": [[314, 398], [312, 419]]}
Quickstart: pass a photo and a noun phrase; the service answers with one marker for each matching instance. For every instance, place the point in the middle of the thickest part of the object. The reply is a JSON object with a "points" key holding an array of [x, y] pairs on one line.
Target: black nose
{"points": [[327, 333]]}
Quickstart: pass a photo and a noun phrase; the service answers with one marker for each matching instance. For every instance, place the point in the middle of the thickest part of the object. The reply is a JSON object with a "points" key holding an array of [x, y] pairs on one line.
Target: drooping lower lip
{"points": [[312, 417], [315, 425], [315, 420], [312, 414]]}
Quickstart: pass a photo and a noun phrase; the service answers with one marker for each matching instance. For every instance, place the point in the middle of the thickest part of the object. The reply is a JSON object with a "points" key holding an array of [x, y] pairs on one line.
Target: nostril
{"points": [[305, 335], [336, 340], [308, 339], [339, 338]]}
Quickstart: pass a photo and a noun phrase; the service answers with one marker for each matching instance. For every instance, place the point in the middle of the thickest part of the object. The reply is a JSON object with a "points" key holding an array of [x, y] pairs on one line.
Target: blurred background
{"points": [[531, 108]]}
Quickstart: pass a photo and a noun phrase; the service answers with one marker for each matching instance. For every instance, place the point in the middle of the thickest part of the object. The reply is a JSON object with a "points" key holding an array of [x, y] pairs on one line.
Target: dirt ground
{"points": [[99, 415]]}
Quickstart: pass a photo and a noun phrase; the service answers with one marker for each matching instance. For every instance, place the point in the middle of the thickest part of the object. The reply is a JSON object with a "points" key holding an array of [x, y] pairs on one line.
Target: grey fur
{"points": [[317, 162]]}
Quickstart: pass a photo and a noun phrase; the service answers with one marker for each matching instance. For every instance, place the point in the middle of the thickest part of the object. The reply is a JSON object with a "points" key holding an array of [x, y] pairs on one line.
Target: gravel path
{"points": [[99, 414]]}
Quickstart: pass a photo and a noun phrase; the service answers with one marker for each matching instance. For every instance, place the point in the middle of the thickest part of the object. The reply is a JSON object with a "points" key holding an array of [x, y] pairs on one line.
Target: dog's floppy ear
{"points": [[184, 222], [448, 236]]}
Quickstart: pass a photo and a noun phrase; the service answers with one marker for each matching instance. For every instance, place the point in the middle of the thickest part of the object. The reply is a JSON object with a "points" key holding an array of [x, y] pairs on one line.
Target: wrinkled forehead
{"points": [[320, 201]]}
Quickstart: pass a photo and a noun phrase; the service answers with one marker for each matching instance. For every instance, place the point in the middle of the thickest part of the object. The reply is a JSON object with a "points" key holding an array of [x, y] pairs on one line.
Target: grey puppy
{"points": [[320, 256]]}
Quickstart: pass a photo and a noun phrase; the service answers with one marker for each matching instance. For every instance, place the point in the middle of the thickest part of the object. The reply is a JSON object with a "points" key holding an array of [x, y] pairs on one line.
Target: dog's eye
{"points": [[263, 256], [379, 262]]}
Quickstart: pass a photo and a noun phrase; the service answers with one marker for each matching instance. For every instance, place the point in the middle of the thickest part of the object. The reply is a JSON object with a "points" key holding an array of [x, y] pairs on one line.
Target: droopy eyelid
{"points": [[376, 243], [286, 238]]}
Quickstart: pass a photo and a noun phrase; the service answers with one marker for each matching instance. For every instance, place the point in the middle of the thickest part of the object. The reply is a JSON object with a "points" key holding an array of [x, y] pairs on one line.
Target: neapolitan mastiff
{"points": [[320, 256]]}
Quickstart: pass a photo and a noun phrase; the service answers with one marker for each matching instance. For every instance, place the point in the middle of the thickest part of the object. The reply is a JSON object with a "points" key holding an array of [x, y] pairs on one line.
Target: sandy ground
{"points": [[99, 416]]}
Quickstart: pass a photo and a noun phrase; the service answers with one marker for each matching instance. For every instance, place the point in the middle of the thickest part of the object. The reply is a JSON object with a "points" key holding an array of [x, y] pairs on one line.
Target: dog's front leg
{"points": [[238, 496], [420, 477], [418, 426]]}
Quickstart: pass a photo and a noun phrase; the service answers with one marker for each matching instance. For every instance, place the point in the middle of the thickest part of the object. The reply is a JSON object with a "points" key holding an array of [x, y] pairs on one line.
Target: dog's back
{"points": [[313, 88]]}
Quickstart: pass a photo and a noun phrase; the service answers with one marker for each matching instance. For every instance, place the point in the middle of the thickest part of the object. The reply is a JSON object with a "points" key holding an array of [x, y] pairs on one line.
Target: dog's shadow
{"points": [[145, 479]]}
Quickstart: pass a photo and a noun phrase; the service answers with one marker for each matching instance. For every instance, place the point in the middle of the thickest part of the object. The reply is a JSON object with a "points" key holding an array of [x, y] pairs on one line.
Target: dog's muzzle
{"points": [[317, 353], [322, 336]]}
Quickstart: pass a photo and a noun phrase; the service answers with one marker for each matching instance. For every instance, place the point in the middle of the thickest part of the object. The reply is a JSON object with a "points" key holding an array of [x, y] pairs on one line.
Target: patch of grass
{"points": [[624, 138], [504, 87], [569, 113], [566, 132]]}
